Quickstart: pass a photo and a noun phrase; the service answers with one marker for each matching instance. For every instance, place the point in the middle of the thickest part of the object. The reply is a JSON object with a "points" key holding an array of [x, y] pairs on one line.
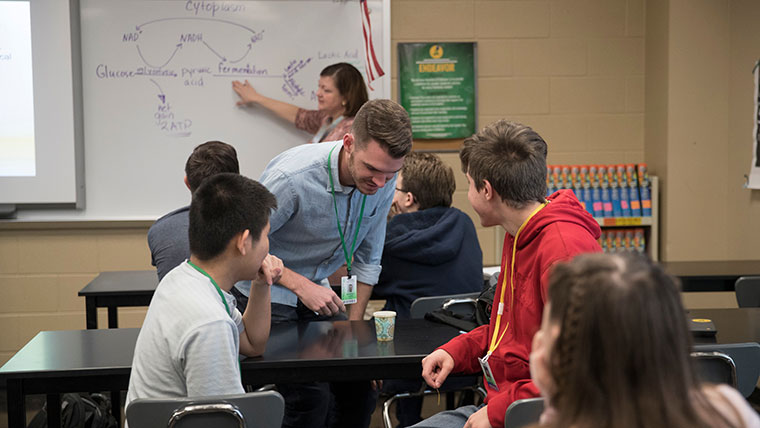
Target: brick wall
{"points": [[571, 69]]}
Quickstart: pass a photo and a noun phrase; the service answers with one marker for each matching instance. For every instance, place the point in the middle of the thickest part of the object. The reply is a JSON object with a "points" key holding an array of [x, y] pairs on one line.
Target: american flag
{"points": [[374, 70]]}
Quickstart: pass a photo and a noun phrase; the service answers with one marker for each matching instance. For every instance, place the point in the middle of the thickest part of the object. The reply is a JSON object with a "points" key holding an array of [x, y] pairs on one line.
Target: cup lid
{"points": [[384, 314]]}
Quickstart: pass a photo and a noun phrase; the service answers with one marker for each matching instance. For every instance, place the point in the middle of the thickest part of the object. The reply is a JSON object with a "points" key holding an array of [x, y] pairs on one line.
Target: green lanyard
{"points": [[337, 218], [226, 306], [218, 290]]}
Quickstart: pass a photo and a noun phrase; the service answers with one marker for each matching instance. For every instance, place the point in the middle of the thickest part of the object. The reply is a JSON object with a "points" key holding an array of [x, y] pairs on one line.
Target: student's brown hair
{"points": [[622, 355], [430, 180], [512, 157], [210, 158], [350, 84], [385, 122]]}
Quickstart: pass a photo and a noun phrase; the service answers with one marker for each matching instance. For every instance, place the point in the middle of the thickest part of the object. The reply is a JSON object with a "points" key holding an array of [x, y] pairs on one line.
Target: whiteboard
{"points": [[157, 81]]}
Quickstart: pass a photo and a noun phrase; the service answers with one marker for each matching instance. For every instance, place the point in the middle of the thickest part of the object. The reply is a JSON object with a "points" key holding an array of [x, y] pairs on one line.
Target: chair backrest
{"points": [[715, 367], [748, 291], [746, 358], [523, 412], [254, 410], [460, 303]]}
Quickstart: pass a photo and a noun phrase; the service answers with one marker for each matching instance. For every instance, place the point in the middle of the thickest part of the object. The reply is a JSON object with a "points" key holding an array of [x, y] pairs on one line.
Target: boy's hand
{"points": [[270, 271], [436, 367], [479, 419]]}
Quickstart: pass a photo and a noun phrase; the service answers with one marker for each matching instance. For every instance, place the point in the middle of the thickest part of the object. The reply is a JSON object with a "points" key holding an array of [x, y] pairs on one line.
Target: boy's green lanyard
{"points": [[218, 290], [347, 255]]}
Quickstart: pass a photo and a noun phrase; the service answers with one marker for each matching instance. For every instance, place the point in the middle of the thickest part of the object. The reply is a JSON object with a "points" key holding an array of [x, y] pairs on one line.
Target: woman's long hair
{"points": [[622, 356]]}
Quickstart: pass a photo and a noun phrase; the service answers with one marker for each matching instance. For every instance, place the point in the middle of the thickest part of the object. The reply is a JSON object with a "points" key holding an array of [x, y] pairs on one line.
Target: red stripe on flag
{"points": [[373, 65]]}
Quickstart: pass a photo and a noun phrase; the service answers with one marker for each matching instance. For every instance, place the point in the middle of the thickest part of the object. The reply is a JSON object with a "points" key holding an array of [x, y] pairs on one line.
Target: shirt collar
{"points": [[339, 188]]}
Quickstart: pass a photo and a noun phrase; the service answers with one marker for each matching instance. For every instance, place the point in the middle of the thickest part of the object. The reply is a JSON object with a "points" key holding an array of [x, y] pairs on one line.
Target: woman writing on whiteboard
{"points": [[340, 94]]}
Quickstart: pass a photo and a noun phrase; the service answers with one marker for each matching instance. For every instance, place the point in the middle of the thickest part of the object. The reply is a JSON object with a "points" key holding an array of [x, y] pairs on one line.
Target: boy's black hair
{"points": [[223, 206]]}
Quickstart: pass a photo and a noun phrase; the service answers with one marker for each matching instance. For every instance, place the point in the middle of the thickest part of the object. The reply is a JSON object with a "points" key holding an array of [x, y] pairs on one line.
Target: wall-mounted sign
{"points": [[437, 88]]}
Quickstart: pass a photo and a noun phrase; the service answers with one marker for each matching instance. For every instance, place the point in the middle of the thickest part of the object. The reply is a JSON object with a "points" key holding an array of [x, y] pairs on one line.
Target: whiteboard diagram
{"points": [[157, 81]]}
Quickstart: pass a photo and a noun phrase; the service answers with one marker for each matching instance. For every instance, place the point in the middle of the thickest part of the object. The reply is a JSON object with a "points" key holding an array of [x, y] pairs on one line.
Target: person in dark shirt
{"points": [[167, 237], [431, 249]]}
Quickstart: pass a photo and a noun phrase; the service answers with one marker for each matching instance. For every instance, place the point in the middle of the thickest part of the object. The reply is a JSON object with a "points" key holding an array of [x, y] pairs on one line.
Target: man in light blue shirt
{"points": [[320, 188]]}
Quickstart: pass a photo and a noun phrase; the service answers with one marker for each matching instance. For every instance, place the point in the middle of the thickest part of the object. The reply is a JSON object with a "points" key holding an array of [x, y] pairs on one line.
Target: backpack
{"points": [[468, 321], [80, 411]]}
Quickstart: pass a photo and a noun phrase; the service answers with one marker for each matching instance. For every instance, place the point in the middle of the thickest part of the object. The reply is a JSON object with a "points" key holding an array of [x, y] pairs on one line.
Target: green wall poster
{"points": [[437, 88]]}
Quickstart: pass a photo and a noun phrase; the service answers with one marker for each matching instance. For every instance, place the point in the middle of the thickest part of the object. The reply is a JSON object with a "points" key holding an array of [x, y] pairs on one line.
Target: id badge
{"points": [[348, 289], [488, 374]]}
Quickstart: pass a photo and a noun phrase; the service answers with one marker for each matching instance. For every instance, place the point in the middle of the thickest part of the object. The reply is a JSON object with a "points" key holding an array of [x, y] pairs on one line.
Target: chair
{"points": [[253, 410], [715, 367], [746, 359], [460, 303], [748, 291], [523, 412]]}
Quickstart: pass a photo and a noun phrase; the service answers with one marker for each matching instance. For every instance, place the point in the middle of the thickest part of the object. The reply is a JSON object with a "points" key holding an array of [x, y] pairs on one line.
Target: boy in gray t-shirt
{"points": [[192, 335]]}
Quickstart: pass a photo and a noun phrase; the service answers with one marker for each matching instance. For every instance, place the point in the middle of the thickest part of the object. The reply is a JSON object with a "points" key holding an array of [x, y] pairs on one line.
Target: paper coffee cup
{"points": [[385, 323]]}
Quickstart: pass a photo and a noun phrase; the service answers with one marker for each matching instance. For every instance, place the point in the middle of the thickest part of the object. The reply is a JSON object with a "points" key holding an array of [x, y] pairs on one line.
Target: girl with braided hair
{"points": [[613, 351]]}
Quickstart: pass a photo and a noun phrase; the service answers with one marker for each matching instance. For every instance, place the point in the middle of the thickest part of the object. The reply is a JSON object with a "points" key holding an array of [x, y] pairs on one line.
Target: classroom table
{"points": [[737, 325], [55, 362], [114, 289], [711, 275]]}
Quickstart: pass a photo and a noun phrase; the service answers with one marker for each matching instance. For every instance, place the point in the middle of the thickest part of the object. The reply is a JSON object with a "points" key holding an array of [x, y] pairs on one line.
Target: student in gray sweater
{"points": [[167, 237]]}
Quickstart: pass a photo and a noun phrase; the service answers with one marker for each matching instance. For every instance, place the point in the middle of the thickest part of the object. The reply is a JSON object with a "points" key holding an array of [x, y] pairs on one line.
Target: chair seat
{"points": [[748, 291], [523, 412], [256, 410], [746, 357]]}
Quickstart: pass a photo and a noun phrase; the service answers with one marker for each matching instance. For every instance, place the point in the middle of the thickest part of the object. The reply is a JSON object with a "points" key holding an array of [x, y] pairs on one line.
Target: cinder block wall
{"points": [[43, 268], [572, 69]]}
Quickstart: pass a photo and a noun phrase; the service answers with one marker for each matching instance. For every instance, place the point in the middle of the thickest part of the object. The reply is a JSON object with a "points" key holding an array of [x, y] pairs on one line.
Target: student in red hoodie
{"points": [[505, 165]]}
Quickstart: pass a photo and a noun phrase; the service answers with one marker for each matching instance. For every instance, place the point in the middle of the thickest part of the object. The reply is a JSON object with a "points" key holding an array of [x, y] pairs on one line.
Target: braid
{"points": [[567, 343]]}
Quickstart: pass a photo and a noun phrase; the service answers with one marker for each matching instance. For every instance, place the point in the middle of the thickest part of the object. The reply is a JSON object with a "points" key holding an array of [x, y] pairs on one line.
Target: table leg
{"points": [[16, 404], [113, 317], [92, 313], [54, 410], [116, 406]]}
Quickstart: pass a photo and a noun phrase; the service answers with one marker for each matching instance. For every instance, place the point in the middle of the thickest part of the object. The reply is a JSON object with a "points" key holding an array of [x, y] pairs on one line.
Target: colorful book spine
{"points": [[641, 245], [625, 198], [619, 235], [550, 186], [633, 189], [644, 191], [596, 191], [605, 186], [628, 240], [617, 210], [564, 177], [586, 185]]}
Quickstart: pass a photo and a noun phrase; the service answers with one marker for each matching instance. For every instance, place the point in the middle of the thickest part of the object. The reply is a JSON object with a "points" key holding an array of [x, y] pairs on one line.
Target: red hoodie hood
{"points": [[563, 206]]}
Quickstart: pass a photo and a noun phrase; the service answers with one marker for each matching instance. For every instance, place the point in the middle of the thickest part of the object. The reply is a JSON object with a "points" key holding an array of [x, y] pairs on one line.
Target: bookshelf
{"points": [[649, 224]]}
